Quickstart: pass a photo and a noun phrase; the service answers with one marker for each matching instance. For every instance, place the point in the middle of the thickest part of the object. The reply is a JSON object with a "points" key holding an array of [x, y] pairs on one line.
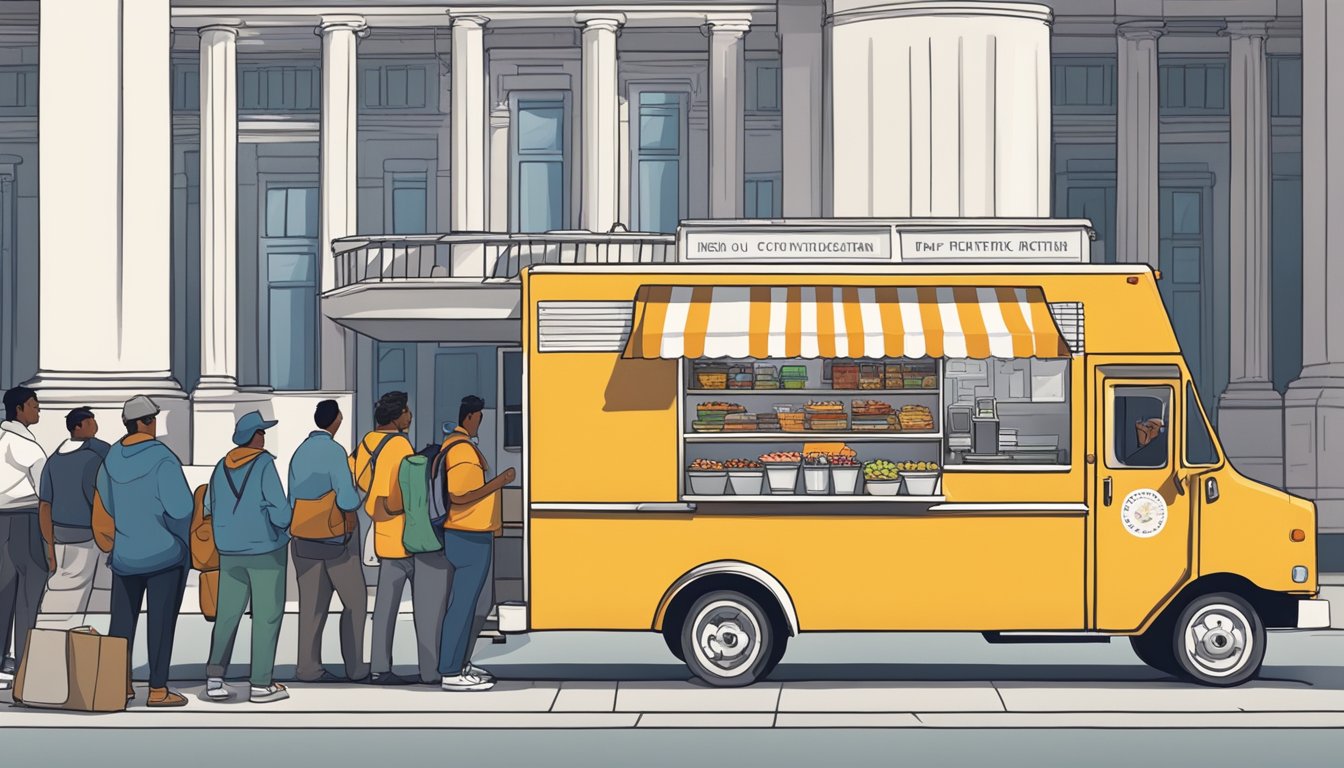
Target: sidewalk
{"points": [[668, 704]]}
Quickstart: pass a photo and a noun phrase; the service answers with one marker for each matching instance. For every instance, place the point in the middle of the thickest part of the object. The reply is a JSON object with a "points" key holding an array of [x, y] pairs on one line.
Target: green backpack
{"points": [[419, 536]]}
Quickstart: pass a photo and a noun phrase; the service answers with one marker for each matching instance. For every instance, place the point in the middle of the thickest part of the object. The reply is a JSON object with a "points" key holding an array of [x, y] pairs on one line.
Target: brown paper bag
{"points": [[78, 670]]}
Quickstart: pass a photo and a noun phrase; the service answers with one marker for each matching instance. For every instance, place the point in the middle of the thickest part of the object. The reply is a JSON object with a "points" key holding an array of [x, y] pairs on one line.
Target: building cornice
{"points": [[500, 16]]}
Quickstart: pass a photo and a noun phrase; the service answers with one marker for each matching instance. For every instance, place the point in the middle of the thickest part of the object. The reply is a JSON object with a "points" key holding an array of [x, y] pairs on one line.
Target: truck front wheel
{"points": [[729, 640], [1219, 640]]}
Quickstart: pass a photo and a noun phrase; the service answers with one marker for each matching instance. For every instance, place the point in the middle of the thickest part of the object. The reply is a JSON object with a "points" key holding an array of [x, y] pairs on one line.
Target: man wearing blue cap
{"points": [[250, 515]]}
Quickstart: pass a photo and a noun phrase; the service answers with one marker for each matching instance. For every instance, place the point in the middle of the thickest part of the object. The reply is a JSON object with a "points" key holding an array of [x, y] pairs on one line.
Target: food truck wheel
{"points": [[1220, 640], [729, 640]]}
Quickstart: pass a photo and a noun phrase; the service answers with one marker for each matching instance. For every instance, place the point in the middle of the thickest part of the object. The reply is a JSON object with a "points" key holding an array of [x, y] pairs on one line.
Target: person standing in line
{"points": [[319, 474], [142, 516], [23, 559], [80, 580], [250, 515], [474, 520], [376, 465]]}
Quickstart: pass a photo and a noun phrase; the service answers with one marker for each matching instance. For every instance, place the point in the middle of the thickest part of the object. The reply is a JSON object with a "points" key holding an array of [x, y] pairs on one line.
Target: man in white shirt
{"points": [[23, 555]]}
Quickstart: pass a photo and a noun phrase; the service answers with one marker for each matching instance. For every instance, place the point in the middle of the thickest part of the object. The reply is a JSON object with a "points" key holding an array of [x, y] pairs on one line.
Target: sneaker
{"points": [[466, 682], [481, 672], [389, 678], [215, 690], [271, 693], [7, 674]]}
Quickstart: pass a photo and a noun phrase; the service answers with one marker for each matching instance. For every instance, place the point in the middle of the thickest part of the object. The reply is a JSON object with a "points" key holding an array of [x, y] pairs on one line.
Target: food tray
{"points": [[708, 482]]}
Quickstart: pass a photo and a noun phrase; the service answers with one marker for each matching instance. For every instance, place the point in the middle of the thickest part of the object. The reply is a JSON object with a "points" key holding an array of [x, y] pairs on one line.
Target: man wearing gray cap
{"points": [[142, 516]]}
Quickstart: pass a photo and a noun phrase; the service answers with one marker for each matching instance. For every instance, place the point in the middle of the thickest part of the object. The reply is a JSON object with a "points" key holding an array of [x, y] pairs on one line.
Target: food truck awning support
{"points": [[673, 321]]}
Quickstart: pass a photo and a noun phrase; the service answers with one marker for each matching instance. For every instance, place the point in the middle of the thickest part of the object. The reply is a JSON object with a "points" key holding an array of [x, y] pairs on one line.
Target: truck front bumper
{"points": [[1313, 614]]}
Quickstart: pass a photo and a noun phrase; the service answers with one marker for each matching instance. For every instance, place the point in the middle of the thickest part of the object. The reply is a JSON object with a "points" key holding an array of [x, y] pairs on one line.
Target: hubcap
{"points": [[1218, 640], [727, 638]]}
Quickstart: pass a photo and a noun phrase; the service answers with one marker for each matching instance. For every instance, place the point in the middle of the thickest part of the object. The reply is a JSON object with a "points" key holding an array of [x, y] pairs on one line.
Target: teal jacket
{"points": [[142, 487], [256, 521]]}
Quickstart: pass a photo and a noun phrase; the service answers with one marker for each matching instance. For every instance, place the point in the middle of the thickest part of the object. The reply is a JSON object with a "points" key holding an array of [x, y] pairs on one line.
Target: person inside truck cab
{"points": [[1146, 446]]}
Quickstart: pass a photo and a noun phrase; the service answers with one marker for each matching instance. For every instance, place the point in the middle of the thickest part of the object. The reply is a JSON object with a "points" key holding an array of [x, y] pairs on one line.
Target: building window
{"points": [[410, 203], [660, 161], [540, 200], [186, 87], [761, 196], [1285, 86], [511, 408], [278, 88], [763, 85], [18, 91], [289, 257], [1190, 86], [1083, 85], [395, 86]]}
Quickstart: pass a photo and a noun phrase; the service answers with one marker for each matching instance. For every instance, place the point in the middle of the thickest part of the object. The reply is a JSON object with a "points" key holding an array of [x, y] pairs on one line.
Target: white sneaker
{"points": [[481, 672], [466, 682], [271, 693], [215, 690], [6, 682]]}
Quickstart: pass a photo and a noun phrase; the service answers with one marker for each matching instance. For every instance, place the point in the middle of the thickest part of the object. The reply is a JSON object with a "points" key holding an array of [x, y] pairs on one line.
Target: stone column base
{"points": [[1250, 426], [105, 394], [1314, 443]]}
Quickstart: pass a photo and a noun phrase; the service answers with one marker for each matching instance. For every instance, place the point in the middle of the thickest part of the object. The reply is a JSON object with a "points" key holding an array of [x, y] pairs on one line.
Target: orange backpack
{"points": [[204, 555]]}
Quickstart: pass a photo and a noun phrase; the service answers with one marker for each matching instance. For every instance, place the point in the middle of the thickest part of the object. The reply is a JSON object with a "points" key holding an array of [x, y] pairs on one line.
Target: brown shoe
{"points": [[162, 697]]}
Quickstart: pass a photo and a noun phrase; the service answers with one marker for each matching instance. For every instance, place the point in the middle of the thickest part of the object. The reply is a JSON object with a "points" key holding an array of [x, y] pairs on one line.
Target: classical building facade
{"points": [[168, 225]]}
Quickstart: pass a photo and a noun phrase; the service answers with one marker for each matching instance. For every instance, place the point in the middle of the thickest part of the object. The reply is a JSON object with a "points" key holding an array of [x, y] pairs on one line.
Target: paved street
{"points": [[628, 680]]}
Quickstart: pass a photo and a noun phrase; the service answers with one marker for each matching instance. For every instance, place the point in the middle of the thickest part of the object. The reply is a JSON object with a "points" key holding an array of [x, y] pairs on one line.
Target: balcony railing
{"points": [[488, 256]]}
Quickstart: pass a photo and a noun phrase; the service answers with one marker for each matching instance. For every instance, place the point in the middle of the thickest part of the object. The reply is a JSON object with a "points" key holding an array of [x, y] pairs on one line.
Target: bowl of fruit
{"points": [[920, 477], [781, 470], [845, 474], [708, 477], [746, 476], [881, 478]]}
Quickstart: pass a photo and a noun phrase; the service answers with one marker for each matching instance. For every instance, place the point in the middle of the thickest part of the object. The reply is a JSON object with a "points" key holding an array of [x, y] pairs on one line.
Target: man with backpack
{"points": [[250, 515], [474, 520], [326, 548], [376, 465]]}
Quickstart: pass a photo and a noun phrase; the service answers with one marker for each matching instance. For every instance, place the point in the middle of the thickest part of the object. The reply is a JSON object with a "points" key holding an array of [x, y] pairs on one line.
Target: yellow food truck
{"points": [[732, 454]]}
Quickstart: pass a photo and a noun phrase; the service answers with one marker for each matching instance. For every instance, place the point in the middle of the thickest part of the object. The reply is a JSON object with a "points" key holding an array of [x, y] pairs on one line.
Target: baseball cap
{"points": [[138, 407]]}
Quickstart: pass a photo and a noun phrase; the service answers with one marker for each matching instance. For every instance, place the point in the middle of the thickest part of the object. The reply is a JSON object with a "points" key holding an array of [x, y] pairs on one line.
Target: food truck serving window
{"points": [[1008, 412], [1140, 427]]}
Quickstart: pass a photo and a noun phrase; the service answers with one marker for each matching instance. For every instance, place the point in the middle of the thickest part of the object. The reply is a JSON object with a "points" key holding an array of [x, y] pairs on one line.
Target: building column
{"points": [[802, 59], [339, 179], [105, 208], [219, 208], [1136, 146], [727, 94], [601, 120], [939, 109], [469, 116], [1250, 419], [1314, 403], [500, 120]]}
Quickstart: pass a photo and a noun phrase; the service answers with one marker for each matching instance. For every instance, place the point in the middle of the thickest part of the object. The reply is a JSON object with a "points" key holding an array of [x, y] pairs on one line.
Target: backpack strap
{"points": [[237, 490], [441, 459], [372, 467]]}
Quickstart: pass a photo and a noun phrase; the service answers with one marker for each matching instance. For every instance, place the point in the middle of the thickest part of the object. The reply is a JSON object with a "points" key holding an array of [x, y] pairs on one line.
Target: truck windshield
{"points": [[1199, 447]]}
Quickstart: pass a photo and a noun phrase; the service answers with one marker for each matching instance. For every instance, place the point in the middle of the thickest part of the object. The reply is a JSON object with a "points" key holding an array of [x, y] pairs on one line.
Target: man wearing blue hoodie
{"points": [[250, 515], [142, 516]]}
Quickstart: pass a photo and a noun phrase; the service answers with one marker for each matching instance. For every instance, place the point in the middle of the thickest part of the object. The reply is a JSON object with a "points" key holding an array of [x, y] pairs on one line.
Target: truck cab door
{"points": [[1143, 513]]}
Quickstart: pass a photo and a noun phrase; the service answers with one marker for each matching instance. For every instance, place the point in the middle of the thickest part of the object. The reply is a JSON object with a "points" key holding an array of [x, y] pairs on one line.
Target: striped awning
{"points": [[854, 322]]}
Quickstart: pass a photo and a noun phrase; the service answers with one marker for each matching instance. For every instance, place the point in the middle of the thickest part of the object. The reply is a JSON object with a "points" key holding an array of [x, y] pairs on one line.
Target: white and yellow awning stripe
{"points": [[803, 321]]}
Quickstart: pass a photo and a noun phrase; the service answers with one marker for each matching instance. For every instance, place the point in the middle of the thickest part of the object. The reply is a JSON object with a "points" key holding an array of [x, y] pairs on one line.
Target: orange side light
{"points": [[1298, 535], [1157, 273]]}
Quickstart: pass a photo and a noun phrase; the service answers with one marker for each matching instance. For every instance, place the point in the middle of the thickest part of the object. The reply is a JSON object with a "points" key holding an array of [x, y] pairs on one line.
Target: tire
{"points": [[729, 640], [1218, 640]]}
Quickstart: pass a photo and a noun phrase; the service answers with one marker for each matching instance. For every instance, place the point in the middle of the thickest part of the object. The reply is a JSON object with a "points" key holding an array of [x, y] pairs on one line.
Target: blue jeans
{"points": [[469, 553]]}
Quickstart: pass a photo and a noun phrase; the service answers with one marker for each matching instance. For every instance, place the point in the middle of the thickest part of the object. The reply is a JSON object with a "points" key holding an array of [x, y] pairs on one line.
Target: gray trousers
{"points": [[339, 569], [427, 575], [23, 576], [431, 577]]}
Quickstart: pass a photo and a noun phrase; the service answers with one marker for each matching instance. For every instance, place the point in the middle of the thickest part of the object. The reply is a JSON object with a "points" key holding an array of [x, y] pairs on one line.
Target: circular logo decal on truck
{"points": [[1144, 513]]}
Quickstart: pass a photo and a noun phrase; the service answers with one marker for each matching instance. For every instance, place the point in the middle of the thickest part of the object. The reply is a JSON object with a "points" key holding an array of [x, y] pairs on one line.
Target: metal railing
{"points": [[488, 255]]}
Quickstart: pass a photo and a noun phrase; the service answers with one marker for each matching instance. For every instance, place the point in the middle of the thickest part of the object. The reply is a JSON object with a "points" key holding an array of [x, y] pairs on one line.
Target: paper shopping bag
{"points": [[78, 670]]}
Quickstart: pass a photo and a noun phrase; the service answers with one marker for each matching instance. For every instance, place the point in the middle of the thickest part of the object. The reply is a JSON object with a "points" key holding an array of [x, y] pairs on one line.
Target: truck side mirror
{"points": [[1211, 490]]}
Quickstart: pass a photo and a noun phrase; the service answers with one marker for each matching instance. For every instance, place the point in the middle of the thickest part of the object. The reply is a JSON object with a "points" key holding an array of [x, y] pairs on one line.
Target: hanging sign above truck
{"points": [[912, 241]]}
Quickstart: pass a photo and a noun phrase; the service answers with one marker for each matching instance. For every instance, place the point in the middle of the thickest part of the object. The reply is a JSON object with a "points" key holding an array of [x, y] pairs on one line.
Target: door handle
{"points": [[1106, 491], [1180, 484]]}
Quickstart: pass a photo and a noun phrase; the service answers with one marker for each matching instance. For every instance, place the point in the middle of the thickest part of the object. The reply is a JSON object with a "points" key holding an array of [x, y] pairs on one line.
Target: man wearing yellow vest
{"points": [[468, 543]]}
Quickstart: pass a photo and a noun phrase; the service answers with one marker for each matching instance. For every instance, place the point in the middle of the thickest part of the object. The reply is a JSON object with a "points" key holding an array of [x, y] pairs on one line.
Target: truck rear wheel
{"points": [[1219, 640], [729, 640]]}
